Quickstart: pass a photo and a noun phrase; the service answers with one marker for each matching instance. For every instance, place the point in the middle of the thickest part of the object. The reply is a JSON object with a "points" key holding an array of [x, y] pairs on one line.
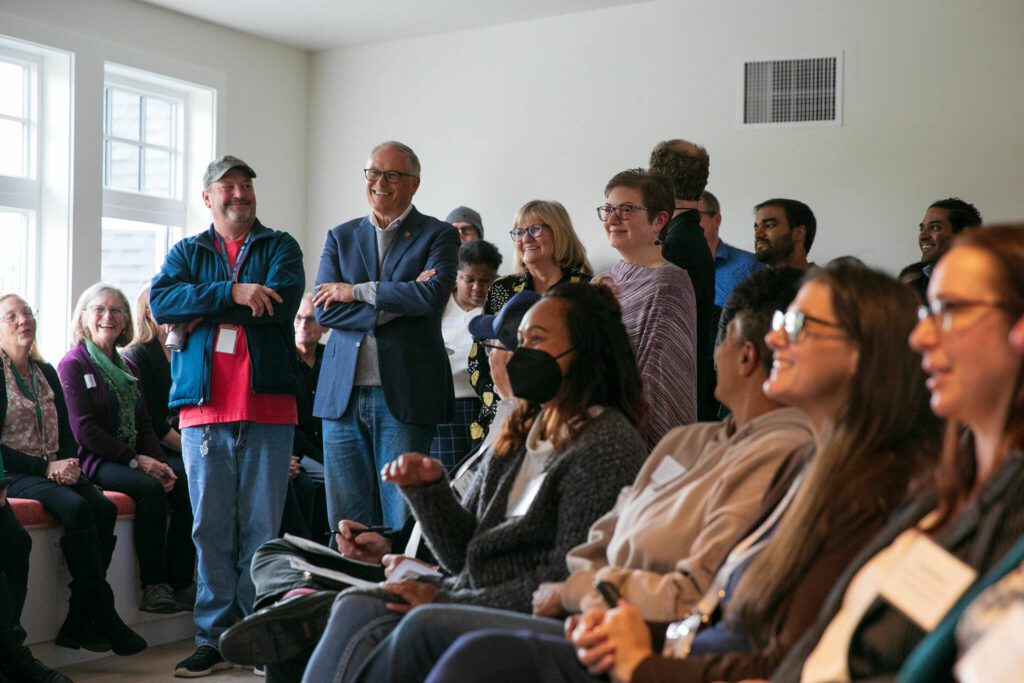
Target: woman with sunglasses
{"points": [[547, 253], [973, 512], [658, 305], [119, 449], [561, 458], [835, 349]]}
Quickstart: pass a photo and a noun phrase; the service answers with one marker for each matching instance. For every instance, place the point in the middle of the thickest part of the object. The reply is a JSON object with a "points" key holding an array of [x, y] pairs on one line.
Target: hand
{"points": [[157, 470], [293, 467], [258, 298], [547, 600], [64, 472], [391, 563], [592, 648], [413, 592], [368, 547], [327, 293], [499, 373], [1017, 334], [629, 639], [412, 469], [426, 275]]}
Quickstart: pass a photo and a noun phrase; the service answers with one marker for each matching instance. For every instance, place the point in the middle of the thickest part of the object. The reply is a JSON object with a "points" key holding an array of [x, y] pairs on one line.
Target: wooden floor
{"points": [[154, 665]]}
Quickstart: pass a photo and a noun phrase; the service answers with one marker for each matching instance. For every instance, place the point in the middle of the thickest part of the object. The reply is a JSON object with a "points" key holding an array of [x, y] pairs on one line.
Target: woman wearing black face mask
{"points": [[561, 458]]}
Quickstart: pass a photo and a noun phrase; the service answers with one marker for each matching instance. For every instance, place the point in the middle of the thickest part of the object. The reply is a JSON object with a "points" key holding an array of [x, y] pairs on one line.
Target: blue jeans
{"points": [[356, 447], [418, 642], [358, 622], [237, 480]]}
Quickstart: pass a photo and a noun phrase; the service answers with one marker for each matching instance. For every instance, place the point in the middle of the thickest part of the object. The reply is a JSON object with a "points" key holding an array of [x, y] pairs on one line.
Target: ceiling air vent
{"points": [[791, 92]]}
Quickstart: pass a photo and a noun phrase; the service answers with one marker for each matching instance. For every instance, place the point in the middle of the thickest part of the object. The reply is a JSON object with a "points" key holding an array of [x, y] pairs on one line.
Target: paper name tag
{"points": [[667, 470], [462, 483], [410, 568], [926, 582], [529, 493], [90, 381], [226, 337], [999, 654]]}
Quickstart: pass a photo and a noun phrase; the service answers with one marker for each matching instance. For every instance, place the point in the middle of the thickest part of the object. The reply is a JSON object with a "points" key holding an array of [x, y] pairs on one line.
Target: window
{"points": [[147, 121], [17, 114]]}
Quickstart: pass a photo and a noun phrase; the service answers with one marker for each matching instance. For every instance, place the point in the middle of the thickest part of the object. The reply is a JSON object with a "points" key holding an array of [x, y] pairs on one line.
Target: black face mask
{"points": [[534, 374]]}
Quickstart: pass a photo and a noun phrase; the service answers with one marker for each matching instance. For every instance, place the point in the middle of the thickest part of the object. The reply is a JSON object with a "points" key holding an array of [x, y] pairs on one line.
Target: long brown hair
{"points": [[956, 475], [603, 372], [882, 440]]}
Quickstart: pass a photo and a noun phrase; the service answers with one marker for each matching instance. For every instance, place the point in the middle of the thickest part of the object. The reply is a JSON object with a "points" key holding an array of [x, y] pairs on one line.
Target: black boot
{"points": [[78, 630], [89, 584], [16, 659]]}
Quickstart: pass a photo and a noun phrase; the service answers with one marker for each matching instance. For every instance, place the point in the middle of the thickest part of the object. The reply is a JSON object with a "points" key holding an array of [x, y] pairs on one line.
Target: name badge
{"points": [[226, 337], [926, 582], [90, 381], [529, 493], [462, 484], [999, 654], [667, 470]]}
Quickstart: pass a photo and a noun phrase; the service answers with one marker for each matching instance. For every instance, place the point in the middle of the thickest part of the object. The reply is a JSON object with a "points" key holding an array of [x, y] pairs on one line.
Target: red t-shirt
{"points": [[232, 400]]}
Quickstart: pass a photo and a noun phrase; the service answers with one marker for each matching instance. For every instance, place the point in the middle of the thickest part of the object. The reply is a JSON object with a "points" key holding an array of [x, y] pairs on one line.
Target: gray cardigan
{"points": [[498, 561]]}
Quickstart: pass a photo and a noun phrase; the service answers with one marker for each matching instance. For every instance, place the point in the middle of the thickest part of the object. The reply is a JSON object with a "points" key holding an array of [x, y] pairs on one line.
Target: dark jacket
{"points": [[22, 463], [195, 282], [155, 370], [309, 440], [94, 415]]}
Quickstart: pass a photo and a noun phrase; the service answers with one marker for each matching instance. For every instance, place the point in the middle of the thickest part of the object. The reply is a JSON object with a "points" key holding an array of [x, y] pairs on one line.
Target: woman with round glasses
{"points": [[974, 510], [658, 305], [120, 451], [40, 455], [839, 356], [548, 252]]}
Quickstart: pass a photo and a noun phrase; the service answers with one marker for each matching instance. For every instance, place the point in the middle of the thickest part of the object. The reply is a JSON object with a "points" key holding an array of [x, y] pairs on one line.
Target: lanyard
{"points": [[222, 250], [31, 394]]}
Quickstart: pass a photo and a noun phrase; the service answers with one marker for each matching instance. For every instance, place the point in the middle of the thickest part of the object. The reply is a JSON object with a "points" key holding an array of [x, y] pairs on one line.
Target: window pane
{"points": [[14, 257], [132, 253], [159, 122], [123, 172], [157, 178], [125, 114], [12, 148], [12, 90]]}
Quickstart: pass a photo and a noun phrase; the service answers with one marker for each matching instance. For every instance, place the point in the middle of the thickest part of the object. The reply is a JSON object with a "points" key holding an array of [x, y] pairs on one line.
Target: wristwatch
{"points": [[134, 463]]}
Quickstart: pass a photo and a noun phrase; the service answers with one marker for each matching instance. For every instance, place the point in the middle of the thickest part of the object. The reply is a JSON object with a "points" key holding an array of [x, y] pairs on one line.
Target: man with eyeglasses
{"points": [[234, 289], [683, 244], [732, 264], [386, 381], [467, 223], [784, 231]]}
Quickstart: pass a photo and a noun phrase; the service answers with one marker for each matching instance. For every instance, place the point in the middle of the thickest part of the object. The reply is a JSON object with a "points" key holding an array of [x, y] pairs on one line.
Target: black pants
{"points": [[77, 507], [165, 551], [15, 546]]}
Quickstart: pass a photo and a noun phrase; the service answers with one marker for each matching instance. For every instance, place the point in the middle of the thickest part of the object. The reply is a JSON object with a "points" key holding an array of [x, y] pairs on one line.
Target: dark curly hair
{"points": [[689, 174]]}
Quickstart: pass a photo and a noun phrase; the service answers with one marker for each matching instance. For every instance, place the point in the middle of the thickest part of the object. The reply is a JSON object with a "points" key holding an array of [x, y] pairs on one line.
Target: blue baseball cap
{"points": [[505, 325]]}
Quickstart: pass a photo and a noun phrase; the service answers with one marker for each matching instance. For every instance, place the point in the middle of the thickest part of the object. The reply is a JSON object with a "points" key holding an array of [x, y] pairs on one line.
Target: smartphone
{"points": [[609, 592]]}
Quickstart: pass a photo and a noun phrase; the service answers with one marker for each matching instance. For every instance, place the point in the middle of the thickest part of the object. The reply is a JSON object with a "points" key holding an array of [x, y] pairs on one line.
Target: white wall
{"points": [[261, 102], [934, 105]]}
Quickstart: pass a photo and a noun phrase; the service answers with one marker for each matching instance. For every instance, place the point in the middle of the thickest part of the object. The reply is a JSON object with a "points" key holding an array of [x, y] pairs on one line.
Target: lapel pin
{"points": [[407, 233]]}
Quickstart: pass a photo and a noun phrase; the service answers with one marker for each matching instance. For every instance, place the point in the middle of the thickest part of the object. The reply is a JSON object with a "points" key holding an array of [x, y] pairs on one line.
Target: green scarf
{"points": [[125, 386]]}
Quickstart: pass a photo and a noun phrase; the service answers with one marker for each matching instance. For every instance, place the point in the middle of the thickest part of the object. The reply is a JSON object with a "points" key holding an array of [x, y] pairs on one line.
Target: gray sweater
{"points": [[498, 561]]}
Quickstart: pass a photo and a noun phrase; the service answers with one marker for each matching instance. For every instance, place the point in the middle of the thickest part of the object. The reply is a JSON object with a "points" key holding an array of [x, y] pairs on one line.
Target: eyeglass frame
{"points": [[608, 209], [780, 323], [99, 311], [26, 313], [946, 309], [534, 231], [390, 177]]}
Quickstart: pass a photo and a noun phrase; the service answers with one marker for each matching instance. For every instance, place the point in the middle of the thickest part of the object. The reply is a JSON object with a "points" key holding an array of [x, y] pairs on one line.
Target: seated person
{"points": [[478, 267], [305, 509], [467, 222], [973, 512], [39, 451], [119, 450], [562, 456]]}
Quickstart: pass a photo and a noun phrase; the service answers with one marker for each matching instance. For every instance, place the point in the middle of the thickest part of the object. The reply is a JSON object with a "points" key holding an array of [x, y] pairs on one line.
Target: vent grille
{"points": [[792, 91]]}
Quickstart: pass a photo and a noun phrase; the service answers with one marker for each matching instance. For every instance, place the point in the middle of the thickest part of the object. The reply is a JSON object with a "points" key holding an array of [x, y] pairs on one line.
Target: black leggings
{"points": [[78, 507], [165, 551], [15, 546]]}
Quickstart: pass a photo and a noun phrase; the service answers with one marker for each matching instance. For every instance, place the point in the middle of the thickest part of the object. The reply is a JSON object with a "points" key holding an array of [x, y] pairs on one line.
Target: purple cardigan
{"points": [[94, 418]]}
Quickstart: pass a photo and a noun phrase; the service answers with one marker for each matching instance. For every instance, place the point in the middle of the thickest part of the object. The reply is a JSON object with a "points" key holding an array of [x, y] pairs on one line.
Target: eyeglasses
{"points": [[303, 319], [491, 348], [25, 314], [943, 313], [623, 211], [534, 230], [792, 322], [390, 177], [114, 311], [467, 230]]}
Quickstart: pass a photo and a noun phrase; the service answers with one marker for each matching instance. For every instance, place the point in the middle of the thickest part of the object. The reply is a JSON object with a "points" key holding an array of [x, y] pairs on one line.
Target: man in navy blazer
{"points": [[385, 381]]}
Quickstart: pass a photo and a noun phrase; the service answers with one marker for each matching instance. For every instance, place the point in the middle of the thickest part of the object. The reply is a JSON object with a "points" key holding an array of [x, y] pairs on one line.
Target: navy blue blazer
{"points": [[414, 369]]}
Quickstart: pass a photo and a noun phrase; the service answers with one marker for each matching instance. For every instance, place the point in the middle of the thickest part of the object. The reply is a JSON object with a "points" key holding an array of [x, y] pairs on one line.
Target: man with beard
{"points": [[783, 233], [942, 221]]}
